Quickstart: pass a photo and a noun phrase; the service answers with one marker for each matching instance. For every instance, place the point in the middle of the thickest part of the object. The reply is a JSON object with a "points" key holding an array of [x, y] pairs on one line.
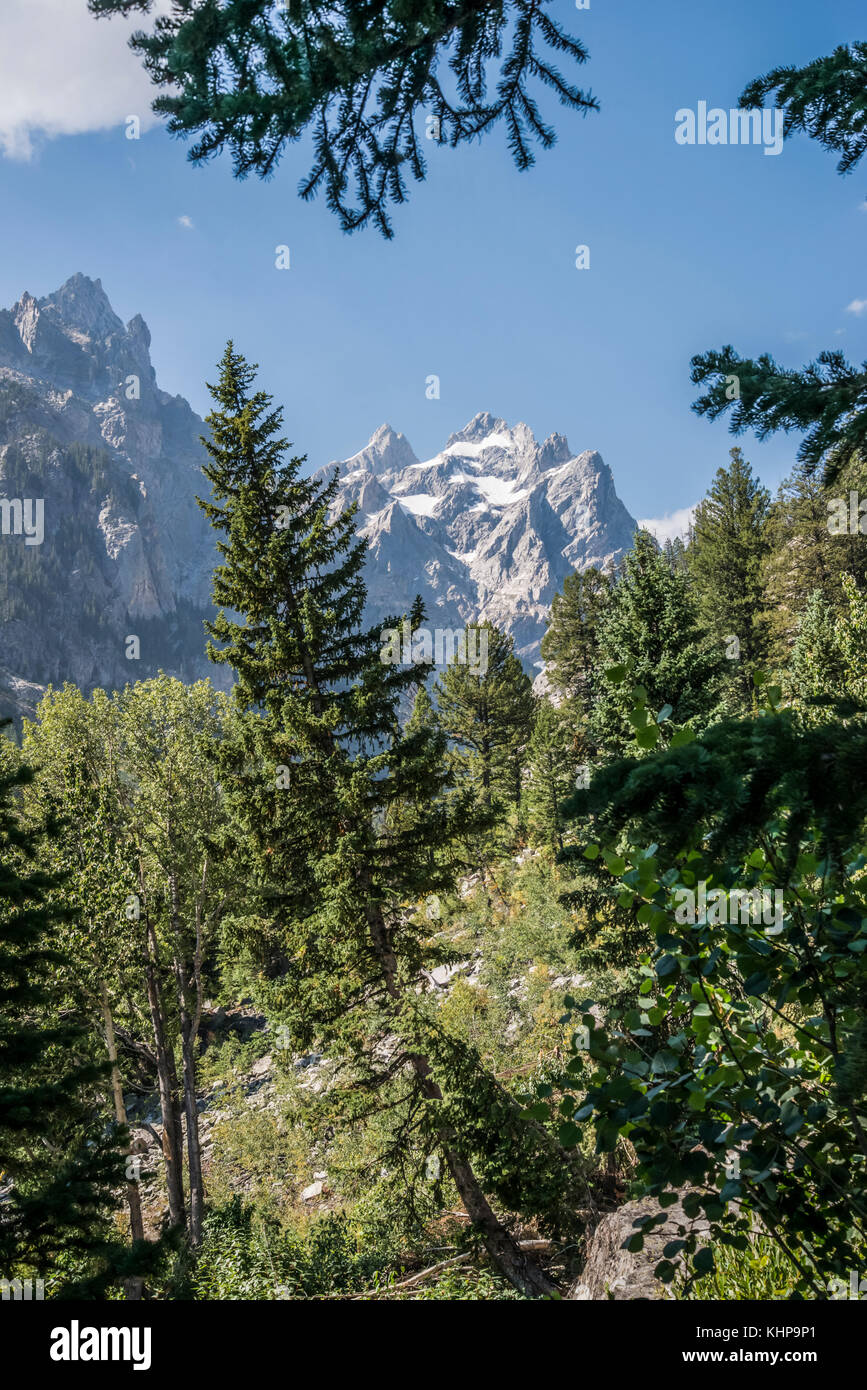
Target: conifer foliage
{"points": [[651, 628], [488, 714], [343, 821], [254, 77], [728, 548], [63, 1168]]}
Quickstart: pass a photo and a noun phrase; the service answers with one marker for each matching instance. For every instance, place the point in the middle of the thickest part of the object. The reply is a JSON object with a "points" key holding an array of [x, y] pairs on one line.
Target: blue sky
{"points": [[690, 247]]}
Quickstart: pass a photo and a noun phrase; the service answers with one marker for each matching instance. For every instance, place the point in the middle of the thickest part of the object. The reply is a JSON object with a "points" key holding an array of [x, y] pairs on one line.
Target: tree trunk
{"points": [[505, 1253], [132, 1286], [188, 1038], [194, 1153], [172, 1138]]}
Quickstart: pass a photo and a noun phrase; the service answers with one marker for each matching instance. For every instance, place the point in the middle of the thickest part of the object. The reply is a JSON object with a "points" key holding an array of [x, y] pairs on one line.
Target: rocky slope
{"points": [[488, 528], [115, 461]]}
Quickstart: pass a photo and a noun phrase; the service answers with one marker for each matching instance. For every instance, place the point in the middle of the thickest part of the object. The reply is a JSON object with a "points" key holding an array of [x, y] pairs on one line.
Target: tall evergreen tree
{"points": [[488, 715], [674, 551], [63, 1166], [727, 549], [553, 758], [570, 646], [651, 626], [806, 554], [817, 667], [332, 873]]}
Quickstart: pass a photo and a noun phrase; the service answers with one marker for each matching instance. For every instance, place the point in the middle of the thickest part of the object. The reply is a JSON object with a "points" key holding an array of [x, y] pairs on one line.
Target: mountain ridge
{"points": [[488, 528]]}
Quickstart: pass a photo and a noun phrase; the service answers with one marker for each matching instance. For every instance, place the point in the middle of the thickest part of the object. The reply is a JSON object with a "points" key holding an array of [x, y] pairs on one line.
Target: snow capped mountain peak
{"points": [[478, 428], [386, 452], [487, 528]]}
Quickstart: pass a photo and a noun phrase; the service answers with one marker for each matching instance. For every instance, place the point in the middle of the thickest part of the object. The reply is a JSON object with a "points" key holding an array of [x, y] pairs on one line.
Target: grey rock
{"points": [[486, 529], [117, 461], [489, 528], [610, 1272]]}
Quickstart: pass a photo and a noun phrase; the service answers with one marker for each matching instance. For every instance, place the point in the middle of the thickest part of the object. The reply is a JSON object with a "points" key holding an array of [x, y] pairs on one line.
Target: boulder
{"points": [[610, 1272]]}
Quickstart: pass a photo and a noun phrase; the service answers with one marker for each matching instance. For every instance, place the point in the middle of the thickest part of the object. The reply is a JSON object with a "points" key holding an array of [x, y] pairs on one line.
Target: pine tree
{"points": [[674, 551], [806, 555], [488, 714], [319, 784], [818, 667], [651, 627], [553, 764], [570, 646], [64, 1169], [727, 549], [254, 77]]}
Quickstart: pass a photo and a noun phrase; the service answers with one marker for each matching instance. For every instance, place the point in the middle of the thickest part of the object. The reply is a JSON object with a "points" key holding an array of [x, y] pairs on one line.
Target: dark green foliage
{"points": [[570, 646], [651, 628], [805, 557], [825, 99], [727, 550], [488, 715], [553, 760], [757, 1095], [253, 78], [64, 1164], [817, 667], [739, 775], [825, 401]]}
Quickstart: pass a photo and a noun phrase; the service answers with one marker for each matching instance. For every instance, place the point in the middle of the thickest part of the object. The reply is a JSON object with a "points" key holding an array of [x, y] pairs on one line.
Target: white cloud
{"points": [[858, 306], [666, 528], [185, 221], [62, 72]]}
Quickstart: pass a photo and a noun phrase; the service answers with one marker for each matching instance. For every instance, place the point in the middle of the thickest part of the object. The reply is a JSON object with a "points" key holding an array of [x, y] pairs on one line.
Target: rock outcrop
{"points": [[106, 560], [115, 463], [486, 529], [610, 1272]]}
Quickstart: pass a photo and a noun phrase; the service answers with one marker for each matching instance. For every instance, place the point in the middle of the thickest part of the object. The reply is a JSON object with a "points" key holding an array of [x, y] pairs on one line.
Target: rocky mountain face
{"points": [[111, 463], [106, 559], [486, 529]]}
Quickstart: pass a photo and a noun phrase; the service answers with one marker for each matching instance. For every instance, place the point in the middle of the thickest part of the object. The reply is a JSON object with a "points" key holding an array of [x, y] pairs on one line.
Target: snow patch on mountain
{"points": [[488, 528]]}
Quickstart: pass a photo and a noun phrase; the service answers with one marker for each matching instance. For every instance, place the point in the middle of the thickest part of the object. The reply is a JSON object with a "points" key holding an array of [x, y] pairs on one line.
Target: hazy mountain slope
{"points": [[488, 528], [116, 463]]}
